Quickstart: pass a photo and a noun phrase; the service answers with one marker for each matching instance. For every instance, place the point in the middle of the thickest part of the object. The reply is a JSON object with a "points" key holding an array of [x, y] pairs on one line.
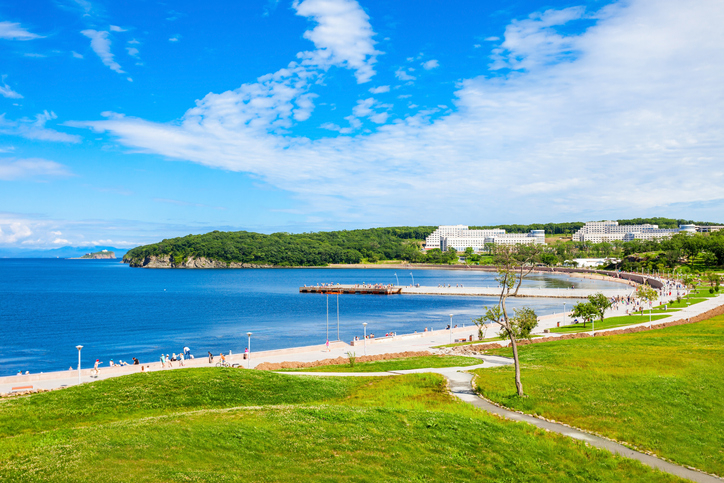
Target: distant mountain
{"points": [[62, 252]]}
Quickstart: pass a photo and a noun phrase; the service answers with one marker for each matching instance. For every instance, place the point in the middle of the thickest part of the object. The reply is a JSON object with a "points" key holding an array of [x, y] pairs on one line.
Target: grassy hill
{"points": [[659, 390], [209, 425]]}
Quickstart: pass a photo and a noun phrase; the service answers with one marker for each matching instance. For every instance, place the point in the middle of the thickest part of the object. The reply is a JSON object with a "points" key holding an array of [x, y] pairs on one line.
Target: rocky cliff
{"points": [[165, 261]]}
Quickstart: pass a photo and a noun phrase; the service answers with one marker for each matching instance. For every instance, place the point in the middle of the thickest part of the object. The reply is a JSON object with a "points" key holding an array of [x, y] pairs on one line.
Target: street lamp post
{"points": [[364, 324], [327, 317], [248, 357], [338, 317], [79, 347], [451, 316]]}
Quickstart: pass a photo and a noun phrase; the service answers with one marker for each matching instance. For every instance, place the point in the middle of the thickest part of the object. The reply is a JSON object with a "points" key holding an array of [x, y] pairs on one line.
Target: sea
{"points": [[49, 306]]}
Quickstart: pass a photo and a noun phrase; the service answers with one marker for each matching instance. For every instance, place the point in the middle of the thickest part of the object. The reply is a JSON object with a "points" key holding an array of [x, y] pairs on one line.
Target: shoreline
{"points": [[420, 340]]}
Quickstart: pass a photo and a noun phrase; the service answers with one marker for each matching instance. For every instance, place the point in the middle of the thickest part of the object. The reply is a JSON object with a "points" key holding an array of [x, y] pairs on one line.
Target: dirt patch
{"points": [[275, 366]]}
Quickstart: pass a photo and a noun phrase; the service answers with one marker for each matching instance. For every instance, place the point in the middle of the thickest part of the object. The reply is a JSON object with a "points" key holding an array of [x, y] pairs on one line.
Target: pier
{"points": [[352, 289], [465, 291]]}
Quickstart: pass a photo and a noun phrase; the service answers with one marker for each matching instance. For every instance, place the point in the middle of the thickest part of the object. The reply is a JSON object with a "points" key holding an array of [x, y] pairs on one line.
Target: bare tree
{"points": [[513, 264]]}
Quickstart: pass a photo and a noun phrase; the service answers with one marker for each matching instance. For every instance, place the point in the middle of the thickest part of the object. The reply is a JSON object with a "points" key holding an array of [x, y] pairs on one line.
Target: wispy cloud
{"points": [[624, 98], [101, 45], [270, 6], [430, 64], [7, 91], [76, 54], [116, 28], [402, 74], [342, 36], [13, 168], [14, 31], [35, 128], [380, 89]]}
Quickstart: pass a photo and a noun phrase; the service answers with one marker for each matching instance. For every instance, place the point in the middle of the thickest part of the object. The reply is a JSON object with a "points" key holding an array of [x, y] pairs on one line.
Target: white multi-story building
{"points": [[607, 231], [433, 241], [460, 237], [535, 237], [653, 234]]}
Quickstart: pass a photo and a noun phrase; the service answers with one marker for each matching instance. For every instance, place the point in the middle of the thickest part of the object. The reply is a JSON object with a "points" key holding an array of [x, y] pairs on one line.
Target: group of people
{"points": [[167, 361]]}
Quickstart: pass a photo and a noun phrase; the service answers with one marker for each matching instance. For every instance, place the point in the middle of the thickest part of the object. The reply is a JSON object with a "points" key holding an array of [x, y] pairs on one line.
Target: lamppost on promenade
{"points": [[248, 357], [451, 316], [364, 324], [79, 347], [327, 317]]}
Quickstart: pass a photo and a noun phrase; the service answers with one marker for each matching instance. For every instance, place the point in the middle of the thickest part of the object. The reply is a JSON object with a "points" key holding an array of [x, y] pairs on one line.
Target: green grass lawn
{"points": [[661, 390], [609, 323], [396, 364], [209, 425]]}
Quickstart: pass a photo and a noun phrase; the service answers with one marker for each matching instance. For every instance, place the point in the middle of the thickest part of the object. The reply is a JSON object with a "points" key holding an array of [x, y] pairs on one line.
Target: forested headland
{"points": [[405, 243]]}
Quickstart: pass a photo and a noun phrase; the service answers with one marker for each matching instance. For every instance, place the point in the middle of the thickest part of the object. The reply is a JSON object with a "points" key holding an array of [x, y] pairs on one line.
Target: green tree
{"points": [[647, 294], [585, 311], [512, 264], [601, 303]]}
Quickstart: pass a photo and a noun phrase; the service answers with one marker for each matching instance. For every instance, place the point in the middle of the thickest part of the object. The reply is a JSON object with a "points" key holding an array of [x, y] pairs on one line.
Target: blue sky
{"points": [[123, 123]]}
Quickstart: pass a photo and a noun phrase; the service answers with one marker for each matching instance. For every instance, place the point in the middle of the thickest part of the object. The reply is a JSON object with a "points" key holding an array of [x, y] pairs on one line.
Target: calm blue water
{"points": [[48, 306]]}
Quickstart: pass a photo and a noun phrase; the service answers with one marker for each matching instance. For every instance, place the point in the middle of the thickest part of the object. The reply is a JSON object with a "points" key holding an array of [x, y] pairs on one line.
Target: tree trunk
{"points": [[518, 383]]}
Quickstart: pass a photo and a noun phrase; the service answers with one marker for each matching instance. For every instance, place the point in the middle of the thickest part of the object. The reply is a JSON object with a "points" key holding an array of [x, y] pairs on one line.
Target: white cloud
{"points": [[7, 91], [380, 89], [116, 28], [57, 233], [404, 76], [12, 231], [35, 128], [13, 31], [175, 38], [12, 169], [342, 36], [430, 64], [490, 39], [535, 41], [76, 54], [628, 113], [101, 45], [132, 51], [60, 241]]}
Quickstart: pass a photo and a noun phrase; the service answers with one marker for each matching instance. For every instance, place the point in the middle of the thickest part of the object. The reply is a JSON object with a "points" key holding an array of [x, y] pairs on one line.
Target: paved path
{"points": [[551, 293], [460, 383]]}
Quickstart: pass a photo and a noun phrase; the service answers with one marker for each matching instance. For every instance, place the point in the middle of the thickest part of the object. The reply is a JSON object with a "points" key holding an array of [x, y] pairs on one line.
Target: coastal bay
{"points": [[48, 306]]}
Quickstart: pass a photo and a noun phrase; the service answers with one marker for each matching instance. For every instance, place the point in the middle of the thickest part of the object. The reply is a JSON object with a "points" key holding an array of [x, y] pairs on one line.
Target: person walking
{"points": [[168, 361], [163, 361], [211, 358], [95, 367], [180, 360]]}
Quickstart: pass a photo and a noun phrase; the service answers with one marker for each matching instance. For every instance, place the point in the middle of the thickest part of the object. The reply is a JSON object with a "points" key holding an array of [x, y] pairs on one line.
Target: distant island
{"points": [[103, 254]]}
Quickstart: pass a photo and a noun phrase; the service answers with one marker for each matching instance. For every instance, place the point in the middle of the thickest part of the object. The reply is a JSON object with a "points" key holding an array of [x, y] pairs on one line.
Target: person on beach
{"points": [[135, 362], [180, 360], [211, 357], [111, 363], [187, 352], [95, 367], [168, 361], [163, 361], [223, 359]]}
